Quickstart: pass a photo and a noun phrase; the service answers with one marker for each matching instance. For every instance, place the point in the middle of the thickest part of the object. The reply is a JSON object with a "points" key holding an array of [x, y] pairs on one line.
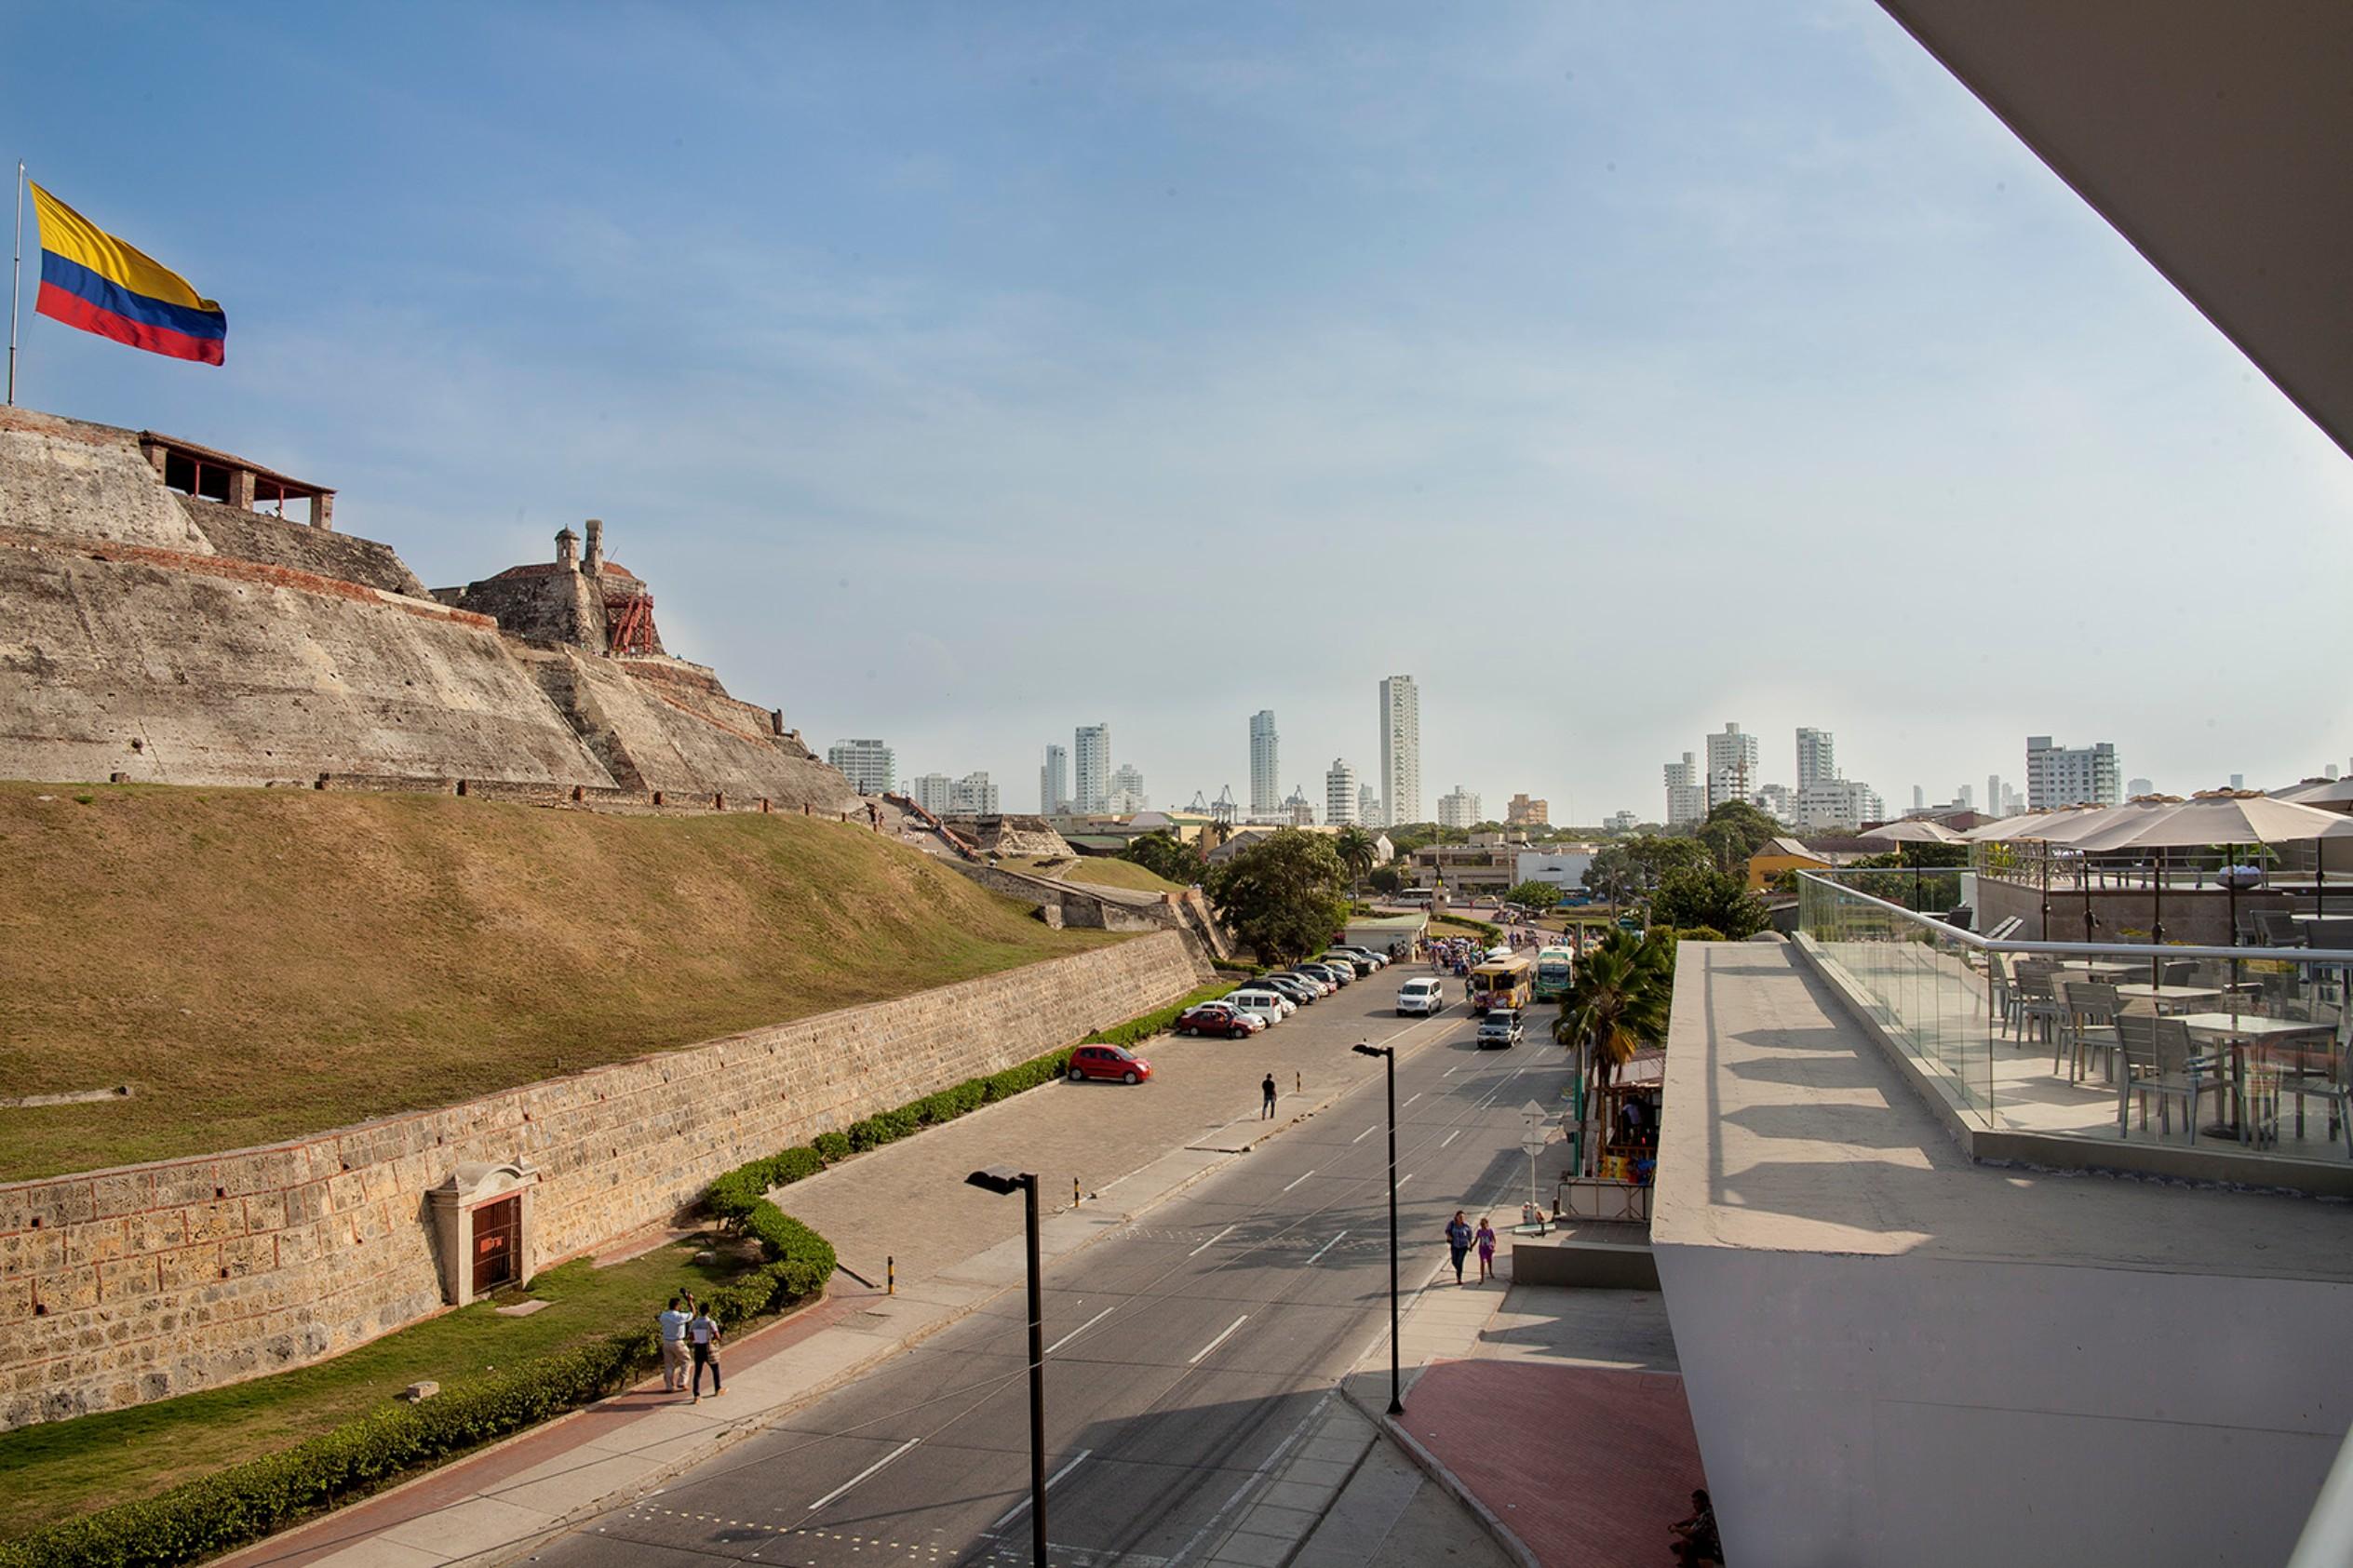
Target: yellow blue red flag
{"points": [[92, 280]]}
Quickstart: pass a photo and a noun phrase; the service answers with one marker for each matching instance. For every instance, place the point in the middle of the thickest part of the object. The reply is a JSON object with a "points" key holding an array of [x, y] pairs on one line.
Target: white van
{"points": [[1424, 996], [1273, 1006]]}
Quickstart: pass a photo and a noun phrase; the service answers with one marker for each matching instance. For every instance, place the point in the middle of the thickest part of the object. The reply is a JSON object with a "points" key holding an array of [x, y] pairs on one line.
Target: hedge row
{"points": [[215, 1513], [1152, 1023]]}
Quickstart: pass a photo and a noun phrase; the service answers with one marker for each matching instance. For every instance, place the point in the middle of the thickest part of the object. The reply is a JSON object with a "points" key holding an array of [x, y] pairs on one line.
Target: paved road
{"points": [[1184, 1352]]}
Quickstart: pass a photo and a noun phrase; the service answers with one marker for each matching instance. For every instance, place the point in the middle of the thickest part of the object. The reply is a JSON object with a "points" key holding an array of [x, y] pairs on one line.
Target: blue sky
{"points": [[959, 374]]}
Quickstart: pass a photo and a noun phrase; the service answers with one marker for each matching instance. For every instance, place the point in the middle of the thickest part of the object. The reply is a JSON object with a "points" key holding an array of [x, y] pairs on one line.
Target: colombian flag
{"points": [[92, 280]]}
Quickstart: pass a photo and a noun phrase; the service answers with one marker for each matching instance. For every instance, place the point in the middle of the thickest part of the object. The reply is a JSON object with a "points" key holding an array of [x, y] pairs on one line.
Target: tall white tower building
{"points": [[1090, 768], [1731, 766], [1685, 801], [1054, 782], [1266, 788], [1340, 803], [869, 765], [1817, 758], [1401, 748]]}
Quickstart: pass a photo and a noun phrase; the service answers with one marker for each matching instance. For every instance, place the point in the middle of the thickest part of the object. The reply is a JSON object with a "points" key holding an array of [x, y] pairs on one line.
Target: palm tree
{"points": [[1357, 852], [1617, 1001]]}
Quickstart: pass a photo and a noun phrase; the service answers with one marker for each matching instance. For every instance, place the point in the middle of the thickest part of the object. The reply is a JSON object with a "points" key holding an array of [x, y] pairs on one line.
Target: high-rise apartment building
{"points": [[1459, 810], [1266, 772], [1817, 758], [2071, 775], [1620, 821], [1919, 798], [1297, 808], [1401, 748], [869, 765], [1090, 768], [974, 797], [1685, 801], [1054, 782], [1778, 801], [1368, 810], [1731, 766], [934, 792], [1837, 803], [1523, 811], [1127, 796], [1994, 793], [2138, 786], [1340, 793]]}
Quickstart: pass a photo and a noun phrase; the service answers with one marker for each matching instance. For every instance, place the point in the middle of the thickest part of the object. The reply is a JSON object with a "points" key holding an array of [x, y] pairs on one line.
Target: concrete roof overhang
{"points": [[2217, 139]]}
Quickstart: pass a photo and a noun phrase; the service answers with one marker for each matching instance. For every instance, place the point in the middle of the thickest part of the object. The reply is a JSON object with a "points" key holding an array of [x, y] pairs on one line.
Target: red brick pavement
{"points": [[1586, 1465]]}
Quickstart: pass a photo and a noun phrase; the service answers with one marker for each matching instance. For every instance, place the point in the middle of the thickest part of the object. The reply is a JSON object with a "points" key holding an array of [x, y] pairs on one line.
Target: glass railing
{"points": [[2240, 1049]]}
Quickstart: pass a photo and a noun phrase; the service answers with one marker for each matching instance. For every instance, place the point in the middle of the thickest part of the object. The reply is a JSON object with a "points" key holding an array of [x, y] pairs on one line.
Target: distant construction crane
{"points": [[1224, 812]]}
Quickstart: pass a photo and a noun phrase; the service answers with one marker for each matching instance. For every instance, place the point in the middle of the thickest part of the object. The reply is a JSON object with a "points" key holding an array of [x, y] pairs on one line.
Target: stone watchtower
{"points": [[581, 602]]}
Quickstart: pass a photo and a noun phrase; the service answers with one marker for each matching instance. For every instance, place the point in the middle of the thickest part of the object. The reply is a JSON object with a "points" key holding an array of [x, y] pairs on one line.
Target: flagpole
{"points": [[16, 284]]}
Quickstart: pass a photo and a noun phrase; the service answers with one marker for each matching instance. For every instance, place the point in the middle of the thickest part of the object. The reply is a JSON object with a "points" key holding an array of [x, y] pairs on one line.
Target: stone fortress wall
{"points": [[125, 1286], [161, 637]]}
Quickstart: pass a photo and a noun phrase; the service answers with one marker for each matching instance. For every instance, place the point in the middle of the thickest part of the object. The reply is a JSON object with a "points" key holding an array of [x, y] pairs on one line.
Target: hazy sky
{"points": [[959, 374]]}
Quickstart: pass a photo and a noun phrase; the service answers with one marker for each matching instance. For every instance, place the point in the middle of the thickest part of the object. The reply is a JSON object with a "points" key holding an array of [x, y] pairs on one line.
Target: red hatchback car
{"points": [[1217, 1018], [1108, 1062]]}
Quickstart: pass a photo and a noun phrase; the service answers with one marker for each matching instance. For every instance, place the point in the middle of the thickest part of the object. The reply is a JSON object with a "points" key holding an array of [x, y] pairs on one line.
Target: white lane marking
{"points": [[1197, 1355], [1325, 1248], [1213, 1240], [1410, 1099], [1451, 1071], [1365, 1134], [1297, 1179], [1016, 1512], [863, 1474], [1076, 1332], [1403, 1179], [1451, 1137]]}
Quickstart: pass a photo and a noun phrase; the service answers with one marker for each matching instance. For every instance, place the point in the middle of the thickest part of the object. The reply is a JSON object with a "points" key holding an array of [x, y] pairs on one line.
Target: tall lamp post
{"points": [[1389, 1056], [1005, 1179]]}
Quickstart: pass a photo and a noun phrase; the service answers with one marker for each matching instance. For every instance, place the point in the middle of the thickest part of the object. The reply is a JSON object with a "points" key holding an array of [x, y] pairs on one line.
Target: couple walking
{"points": [[1460, 1238], [685, 1333]]}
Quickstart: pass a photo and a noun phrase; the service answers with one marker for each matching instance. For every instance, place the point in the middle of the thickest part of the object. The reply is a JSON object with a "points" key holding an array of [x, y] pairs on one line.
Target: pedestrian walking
{"points": [[1458, 1242], [1486, 1250], [702, 1338], [672, 1322], [1266, 1112]]}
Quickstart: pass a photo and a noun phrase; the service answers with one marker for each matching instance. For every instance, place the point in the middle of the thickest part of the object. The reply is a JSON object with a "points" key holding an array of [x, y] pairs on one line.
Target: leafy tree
{"points": [[1701, 895], [1163, 854], [1388, 880], [1533, 895], [1617, 1000], [1282, 895], [1734, 831], [1639, 866], [1357, 852]]}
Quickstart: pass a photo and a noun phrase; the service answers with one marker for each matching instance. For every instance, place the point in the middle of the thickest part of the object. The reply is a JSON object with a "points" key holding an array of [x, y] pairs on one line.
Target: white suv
{"points": [[1273, 1006], [1424, 996]]}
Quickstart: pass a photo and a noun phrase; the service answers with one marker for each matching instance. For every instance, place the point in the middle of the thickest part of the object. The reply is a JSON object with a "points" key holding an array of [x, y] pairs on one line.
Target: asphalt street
{"points": [[1185, 1352]]}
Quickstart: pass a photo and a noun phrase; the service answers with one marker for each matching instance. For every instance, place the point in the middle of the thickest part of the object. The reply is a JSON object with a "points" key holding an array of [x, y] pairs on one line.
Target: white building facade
{"points": [[1090, 768], [1401, 748], [1266, 770], [1459, 810], [1817, 758], [869, 765], [2060, 775], [1368, 810], [1054, 782], [1126, 795], [1685, 801], [1731, 766], [974, 797], [1340, 793], [934, 792]]}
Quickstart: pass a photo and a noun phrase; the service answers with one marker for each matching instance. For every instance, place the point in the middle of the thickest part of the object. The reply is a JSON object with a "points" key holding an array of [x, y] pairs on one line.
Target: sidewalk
{"points": [[906, 1201]]}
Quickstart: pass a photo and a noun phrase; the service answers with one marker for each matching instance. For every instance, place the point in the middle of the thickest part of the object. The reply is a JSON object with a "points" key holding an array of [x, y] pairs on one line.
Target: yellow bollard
{"points": [[1074, 1192], [890, 1276]]}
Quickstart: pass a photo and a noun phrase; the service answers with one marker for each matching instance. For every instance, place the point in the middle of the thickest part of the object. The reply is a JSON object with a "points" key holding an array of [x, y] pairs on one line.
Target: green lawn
{"points": [[60, 1469]]}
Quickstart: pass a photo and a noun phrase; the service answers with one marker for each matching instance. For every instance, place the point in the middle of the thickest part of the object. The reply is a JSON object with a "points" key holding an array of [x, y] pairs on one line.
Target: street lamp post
{"points": [[1005, 1179], [1389, 1056]]}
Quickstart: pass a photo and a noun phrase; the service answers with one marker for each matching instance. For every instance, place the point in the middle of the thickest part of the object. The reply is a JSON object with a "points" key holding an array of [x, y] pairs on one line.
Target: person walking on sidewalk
{"points": [[673, 1325], [1458, 1242], [702, 1337], [1265, 1111], [1486, 1250]]}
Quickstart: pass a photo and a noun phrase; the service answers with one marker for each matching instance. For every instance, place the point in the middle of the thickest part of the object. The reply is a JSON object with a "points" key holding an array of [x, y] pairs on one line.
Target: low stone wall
{"points": [[125, 1286]]}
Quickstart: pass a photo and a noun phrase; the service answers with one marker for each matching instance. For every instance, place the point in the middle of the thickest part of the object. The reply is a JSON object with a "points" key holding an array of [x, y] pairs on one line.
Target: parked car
{"points": [[1501, 1029], [1315, 983], [1217, 1018], [1273, 1006], [1338, 973], [1111, 1063], [1356, 964], [1378, 960], [1424, 996], [1295, 987]]}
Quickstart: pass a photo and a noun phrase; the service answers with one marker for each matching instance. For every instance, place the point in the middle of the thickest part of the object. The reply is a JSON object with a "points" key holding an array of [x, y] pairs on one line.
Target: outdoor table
{"points": [[2104, 967], [2236, 1035], [2164, 995]]}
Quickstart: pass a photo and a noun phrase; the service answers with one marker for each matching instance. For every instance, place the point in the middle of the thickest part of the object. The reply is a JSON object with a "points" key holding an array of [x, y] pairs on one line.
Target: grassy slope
{"points": [[62, 1467], [1102, 870], [259, 963]]}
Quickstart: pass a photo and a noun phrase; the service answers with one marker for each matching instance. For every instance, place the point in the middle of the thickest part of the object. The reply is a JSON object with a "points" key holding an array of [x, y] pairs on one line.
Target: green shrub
{"points": [[832, 1147], [1154, 1023], [865, 1134]]}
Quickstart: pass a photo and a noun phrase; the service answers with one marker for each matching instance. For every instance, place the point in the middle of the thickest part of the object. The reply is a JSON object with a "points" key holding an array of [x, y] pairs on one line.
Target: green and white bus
{"points": [[1553, 967]]}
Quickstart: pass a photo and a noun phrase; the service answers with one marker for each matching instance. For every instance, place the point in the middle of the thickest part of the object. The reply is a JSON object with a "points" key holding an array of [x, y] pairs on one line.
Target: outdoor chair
{"points": [[2249, 933], [2087, 1026], [2329, 1084], [2278, 928], [2038, 1003], [2170, 1070], [2181, 971], [2331, 932], [2007, 929], [2001, 976]]}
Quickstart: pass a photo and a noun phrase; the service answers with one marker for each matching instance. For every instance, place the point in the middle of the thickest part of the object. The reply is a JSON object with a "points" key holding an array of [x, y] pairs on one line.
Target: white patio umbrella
{"points": [[2322, 793], [1915, 830], [2066, 825]]}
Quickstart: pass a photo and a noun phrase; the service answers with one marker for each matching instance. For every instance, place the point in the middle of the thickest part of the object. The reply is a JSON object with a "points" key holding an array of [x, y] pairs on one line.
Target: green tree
{"points": [[1388, 880], [1282, 896], [1734, 831], [1617, 1000], [1538, 896], [1357, 852], [1163, 854], [1701, 895]]}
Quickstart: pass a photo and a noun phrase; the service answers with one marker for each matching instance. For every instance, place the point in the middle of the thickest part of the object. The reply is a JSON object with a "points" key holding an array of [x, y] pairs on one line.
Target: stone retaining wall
{"points": [[125, 1286]]}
